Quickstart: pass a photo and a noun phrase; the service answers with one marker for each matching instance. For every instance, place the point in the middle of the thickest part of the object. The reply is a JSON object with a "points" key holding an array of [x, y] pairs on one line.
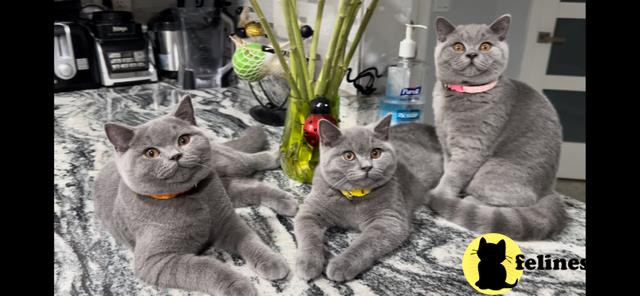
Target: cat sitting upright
{"points": [[492, 273], [501, 138], [170, 194], [370, 179]]}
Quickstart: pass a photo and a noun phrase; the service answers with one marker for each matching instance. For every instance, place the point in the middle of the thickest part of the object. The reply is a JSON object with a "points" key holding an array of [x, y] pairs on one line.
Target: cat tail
{"points": [[253, 140], [507, 285], [542, 220]]}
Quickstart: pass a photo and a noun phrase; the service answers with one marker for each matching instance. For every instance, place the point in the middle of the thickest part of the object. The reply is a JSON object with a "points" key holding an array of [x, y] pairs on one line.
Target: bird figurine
{"points": [[253, 61], [248, 28]]}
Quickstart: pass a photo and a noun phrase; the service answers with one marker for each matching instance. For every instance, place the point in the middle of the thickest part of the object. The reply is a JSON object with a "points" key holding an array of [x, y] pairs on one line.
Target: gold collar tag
{"points": [[355, 193]]}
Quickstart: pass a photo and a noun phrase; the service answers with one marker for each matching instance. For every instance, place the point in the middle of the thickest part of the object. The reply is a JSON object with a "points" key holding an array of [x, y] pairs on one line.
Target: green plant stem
{"points": [[276, 47], [296, 38], [296, 57], [338, 64], [314, 40], [321, 84], [359, 33]]}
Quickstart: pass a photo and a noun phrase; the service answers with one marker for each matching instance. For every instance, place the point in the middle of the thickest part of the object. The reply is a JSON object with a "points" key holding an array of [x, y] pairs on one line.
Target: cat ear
{"points": [[328, 132], [483, 241], [502, 244], [119, 135], [501, 26], [381, 129], [185, 110], [443, 28]]}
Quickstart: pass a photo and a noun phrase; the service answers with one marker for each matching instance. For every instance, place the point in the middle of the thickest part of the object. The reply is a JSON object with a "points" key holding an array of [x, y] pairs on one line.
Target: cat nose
{"points": [[472, 55], [176, 156], [366, 166]]}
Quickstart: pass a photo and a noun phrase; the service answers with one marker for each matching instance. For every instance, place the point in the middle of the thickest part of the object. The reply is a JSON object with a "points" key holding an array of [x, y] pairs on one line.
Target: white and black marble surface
{"points": [[89, 262]]}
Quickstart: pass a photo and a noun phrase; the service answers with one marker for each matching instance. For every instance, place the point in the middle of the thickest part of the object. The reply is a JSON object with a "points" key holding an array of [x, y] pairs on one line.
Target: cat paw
{"points": [[274, 268], [442, 191], [275, 159], [309, 266], [286, 206], [240, 287], [342, 269]]}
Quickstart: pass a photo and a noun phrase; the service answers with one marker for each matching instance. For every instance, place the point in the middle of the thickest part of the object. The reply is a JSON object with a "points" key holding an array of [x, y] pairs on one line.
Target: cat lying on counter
{"points": [[169, 194], [370, 179]]}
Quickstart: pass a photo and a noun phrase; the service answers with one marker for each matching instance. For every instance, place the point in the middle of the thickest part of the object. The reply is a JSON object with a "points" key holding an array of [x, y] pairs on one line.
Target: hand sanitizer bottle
{"points": [[405, 94]]}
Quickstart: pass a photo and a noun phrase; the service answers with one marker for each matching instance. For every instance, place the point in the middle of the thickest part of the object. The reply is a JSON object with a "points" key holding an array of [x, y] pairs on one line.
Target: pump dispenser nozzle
{"points": [[408, 46]]}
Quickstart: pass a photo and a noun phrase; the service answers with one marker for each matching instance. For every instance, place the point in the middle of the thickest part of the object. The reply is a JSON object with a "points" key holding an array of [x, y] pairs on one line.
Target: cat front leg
{"points": [[254, 139], [468, 148], [170, 262], [229, 162], [246, 192], [233, 235], [379, 237], [458, 171], [309, 229]]}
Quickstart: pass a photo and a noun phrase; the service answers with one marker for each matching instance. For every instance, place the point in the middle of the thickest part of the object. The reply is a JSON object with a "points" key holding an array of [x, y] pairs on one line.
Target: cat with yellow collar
{"points": [[370, 179]]}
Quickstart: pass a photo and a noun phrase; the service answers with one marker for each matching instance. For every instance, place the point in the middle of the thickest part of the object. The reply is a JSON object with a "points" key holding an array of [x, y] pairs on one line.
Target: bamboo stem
{"points": [[296, 58], [301, 57], [276, 46], [359, 33], [335, 81], [321, 85], [314, 40]]}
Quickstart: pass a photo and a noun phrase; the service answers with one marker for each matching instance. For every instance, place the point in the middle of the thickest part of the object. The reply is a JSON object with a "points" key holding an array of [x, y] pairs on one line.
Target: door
{"points": [[554, 64]]}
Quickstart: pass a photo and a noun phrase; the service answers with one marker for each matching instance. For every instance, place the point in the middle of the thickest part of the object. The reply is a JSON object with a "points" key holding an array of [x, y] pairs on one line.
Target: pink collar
{"points": [[471, 89]]}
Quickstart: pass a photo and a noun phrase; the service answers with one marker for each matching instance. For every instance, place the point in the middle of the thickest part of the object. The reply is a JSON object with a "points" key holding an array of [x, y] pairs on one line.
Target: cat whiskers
{"points": [[355, 175], [202, 165], [339, 183], [507, 258], [165, 171]]}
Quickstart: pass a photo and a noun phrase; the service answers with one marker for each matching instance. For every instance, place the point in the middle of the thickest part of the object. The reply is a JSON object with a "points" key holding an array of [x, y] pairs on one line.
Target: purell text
{"points": [[411, 91]]}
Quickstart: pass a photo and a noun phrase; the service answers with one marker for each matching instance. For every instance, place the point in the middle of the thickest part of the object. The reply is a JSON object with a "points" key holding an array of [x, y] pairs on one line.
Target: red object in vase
{"points": [[311, 134]]}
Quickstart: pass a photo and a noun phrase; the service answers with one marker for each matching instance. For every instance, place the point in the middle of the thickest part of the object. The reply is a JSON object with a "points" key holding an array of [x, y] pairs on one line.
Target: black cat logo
{"points": [[488, 264], [492, 273]]}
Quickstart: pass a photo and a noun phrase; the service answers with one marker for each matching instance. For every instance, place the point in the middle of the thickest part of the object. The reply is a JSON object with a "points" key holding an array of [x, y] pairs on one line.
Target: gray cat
{"points": [[170, 194], [368, 179], [501, 145]]}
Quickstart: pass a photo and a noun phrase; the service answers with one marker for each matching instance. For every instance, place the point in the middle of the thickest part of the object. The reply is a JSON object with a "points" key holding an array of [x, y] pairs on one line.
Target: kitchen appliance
{"points": [[123, 53], [205, 55], [74, 61], [166, 38]]}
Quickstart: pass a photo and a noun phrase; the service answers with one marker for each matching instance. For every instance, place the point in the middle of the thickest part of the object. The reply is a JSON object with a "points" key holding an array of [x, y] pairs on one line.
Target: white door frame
{"points": [[542, 18]]}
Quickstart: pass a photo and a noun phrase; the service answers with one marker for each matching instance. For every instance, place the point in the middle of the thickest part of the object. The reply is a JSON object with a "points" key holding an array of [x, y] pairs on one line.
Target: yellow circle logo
{"points": [[489, 264]]}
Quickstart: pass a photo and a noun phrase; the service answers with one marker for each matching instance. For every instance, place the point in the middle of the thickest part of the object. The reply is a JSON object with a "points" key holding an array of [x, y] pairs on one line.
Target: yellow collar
{"points": [[355, 193], [163, 196]]}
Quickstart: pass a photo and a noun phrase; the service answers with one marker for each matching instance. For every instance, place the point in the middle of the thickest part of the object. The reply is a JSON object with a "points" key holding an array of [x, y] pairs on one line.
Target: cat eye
{"points": [[458, 47], [151, 153], [349, 156], [485, 46], [184, 140], [375, 153]]}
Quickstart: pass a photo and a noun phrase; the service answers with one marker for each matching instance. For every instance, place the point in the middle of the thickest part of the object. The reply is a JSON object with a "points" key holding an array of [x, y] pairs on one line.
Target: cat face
{"points": [[358, 157], [169, 154], [471, 54], [491, 252]]}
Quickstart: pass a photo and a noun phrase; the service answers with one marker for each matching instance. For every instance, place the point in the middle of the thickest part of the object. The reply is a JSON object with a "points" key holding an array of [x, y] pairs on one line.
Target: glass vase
{"points": [[298, 158]]}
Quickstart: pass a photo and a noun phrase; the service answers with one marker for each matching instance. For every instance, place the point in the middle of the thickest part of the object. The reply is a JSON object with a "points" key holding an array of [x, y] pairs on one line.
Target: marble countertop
{"points": [[88, 261]]}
